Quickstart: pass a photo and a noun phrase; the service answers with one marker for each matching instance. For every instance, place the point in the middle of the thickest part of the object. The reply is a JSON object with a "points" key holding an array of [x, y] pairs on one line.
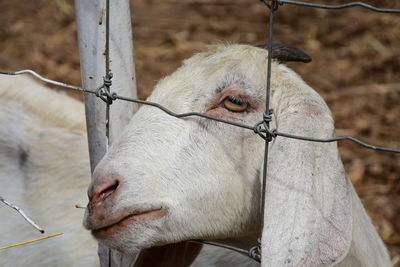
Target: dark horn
{"points": [[285, 53]]}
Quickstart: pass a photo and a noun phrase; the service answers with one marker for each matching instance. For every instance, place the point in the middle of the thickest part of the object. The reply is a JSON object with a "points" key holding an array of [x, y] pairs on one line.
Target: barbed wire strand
{"points": [[30, 241], [22, 213], [254, 128]]}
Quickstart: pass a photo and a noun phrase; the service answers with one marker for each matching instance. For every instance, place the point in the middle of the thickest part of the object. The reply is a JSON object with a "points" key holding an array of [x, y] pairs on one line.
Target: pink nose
{"points": [[103, 187]]}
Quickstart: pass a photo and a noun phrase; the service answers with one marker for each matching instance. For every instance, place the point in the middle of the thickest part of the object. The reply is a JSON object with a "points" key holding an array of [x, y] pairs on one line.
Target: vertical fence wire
{"points": [[107, 87], [108, 76], [267, 113]]}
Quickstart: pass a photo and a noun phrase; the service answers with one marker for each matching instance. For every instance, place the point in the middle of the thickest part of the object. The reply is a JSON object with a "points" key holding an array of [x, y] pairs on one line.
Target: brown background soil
{"points": [[356, 67]]}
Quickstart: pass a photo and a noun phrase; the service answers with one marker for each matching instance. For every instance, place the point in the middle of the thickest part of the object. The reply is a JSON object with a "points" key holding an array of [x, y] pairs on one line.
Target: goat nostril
{"points": [[108, 191]]}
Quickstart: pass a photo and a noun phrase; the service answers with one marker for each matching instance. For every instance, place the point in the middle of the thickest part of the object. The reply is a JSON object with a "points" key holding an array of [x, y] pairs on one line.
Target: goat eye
{"points": [[235, 104]]}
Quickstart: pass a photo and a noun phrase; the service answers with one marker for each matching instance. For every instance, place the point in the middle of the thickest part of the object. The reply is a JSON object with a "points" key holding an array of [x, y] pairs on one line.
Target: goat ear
{"points": [[308, 207], [285, 53]]}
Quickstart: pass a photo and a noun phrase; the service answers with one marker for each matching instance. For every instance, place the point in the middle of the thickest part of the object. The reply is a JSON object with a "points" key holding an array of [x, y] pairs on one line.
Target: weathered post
{"points": [[91, 19]]}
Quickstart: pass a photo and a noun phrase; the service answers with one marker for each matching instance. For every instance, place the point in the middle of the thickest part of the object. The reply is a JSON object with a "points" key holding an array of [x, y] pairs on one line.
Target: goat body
{"points": [[44, 169]]}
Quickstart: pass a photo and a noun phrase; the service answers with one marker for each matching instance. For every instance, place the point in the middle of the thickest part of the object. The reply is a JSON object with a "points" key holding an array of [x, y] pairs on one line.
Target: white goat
{"points": [[168, 180], [44, 169]]}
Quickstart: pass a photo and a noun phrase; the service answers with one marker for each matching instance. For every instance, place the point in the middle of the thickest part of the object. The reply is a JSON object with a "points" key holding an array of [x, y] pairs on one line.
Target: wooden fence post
{"points": [[91, 21]]}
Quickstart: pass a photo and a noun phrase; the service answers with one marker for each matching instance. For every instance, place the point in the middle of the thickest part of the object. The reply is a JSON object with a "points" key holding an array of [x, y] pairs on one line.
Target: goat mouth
{"points": [[114, 227]]}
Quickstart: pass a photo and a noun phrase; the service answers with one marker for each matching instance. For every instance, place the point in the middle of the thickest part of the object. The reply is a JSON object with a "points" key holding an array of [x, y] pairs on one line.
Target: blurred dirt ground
{"points": [[356, 67]]}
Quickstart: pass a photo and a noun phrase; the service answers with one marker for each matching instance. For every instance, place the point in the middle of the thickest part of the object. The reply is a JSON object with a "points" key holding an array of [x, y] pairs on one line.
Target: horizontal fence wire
{"points": [[257, 128], [333, 7]]}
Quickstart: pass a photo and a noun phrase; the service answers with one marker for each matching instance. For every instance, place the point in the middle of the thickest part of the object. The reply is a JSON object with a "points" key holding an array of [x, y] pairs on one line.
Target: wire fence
{"points": [[261, 128]]}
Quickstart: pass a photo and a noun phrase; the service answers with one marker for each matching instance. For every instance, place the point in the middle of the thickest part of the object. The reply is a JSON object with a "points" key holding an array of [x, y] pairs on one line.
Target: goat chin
{"points": [[168, 180]]}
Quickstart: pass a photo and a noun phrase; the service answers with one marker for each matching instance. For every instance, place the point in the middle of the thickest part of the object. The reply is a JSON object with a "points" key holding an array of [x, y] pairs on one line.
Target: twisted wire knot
{"points": [[267, 116], [258, 129], [262, 127], [103, 92], [107, 79]]}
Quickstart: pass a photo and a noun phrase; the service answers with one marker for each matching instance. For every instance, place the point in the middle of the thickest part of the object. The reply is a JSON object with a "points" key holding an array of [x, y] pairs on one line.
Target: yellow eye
{"points": [[235, 104]]}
